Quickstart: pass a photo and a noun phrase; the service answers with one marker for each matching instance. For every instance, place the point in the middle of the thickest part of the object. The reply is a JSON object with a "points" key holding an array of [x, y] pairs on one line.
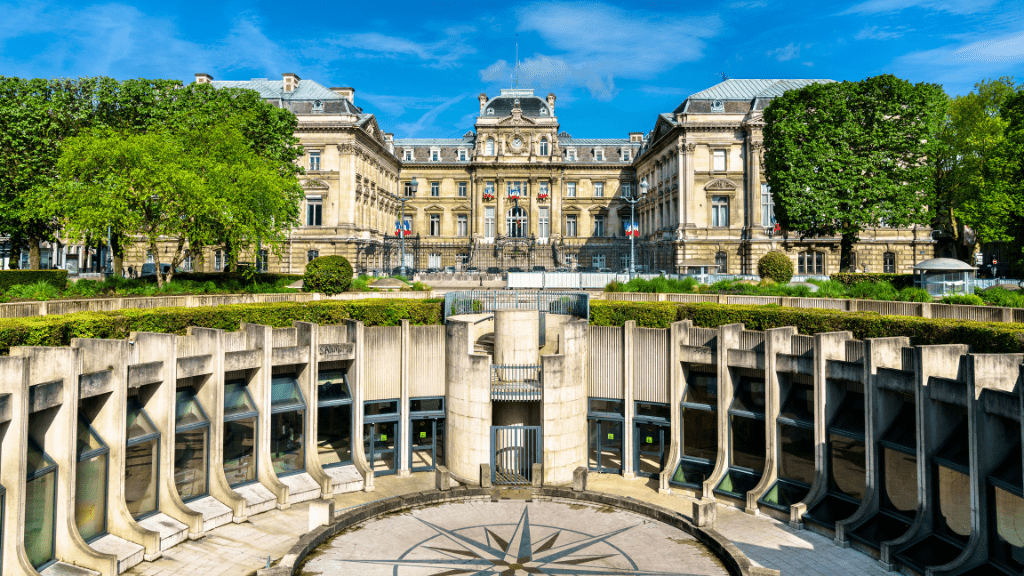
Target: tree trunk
{"points": [[156, 262], [845, 249], [33, 253], [15, 260], [115, 241]]}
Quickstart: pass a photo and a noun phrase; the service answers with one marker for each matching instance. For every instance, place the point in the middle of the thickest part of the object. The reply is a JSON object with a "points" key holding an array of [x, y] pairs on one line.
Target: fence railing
{"points": [[483, 301], [516, 383], [598, 280]]}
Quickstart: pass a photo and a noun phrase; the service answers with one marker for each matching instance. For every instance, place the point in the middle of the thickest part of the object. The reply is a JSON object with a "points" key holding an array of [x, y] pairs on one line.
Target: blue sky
{"points": [[613, 65]]}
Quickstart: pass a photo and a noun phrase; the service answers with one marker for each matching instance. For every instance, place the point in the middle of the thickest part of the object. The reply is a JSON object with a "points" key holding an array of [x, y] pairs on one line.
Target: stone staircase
{"points": [[485, 345]]}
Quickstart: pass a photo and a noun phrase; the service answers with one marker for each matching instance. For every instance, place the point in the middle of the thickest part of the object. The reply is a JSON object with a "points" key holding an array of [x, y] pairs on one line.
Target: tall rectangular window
{"points": [[598, 189], [720, 211], [599, 226], [218, 263], [626, 155], [542, 189], [570, 154], [408, 155], [570, 189], [435, 155], [314, 160], [314, 210], [407, 189], [627, 189], [435, 188], [810, 263], [719, 161], [261, 261], [489, 189], [570, 225], [767, 206], [463, 222], [462, 189], [889, 263], [435, 224], [462, 155], [543, 222], [489, 222]]}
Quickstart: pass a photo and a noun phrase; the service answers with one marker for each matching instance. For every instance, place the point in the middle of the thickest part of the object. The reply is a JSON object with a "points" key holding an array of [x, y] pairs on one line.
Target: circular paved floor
{"points": [[512, 537]]}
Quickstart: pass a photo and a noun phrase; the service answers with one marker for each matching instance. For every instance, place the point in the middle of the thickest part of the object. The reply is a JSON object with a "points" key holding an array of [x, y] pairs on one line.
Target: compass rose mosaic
{"points": [[514, 538]]}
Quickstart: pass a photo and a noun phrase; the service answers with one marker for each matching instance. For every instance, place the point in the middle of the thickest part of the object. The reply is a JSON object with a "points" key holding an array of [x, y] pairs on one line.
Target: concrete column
{"points": [[686, 165], [307, 335], [678, 335], [403, 405], [355, 331], [728, 337], [628, 375], [159, 401], [564, 406], [468, 388], [109, 422], [14, 384], [211, 397], [516, 337], [262, 338], [59, 441], [776, 341]]}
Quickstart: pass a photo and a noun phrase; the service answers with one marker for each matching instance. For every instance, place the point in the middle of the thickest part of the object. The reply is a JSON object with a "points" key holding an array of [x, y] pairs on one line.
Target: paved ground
{"points": [[240, 549]]}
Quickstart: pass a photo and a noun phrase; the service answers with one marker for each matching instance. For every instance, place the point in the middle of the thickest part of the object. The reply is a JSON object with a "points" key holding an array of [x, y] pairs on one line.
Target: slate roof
{"points": [[597, 142], [412, 142], [530, 104], [748, 90], [307, 90]]}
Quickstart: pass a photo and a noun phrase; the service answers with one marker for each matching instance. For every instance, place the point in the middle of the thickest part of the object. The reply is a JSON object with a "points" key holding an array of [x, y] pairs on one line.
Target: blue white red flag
{"points": [[398, 227], [408, 228]]}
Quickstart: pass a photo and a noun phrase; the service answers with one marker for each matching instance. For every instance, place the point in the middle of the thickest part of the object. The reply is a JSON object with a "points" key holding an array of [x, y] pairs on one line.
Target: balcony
{"points": [[520, 383]]}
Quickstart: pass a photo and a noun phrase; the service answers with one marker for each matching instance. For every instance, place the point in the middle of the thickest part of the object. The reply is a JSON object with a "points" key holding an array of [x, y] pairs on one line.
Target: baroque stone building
{"points": [[518, 191]]}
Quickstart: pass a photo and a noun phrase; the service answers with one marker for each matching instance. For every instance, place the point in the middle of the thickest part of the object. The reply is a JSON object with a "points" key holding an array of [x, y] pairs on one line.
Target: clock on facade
{"points": [[517, 143]]}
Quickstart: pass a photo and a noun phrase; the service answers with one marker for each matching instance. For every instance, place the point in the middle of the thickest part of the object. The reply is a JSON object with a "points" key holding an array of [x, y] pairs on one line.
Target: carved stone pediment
{"points": [[515, 119], [461, 208], [313, 184], [720, 184]]}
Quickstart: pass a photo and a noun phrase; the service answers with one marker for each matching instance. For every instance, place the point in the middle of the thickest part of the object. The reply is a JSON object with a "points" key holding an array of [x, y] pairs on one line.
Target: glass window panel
{"points": [[611, 445], [1007, 540], [651, 410], [784, 494], [426, 405], [139, 424], [702, 389], [286, 442], [749, 396], [191, 461], [900, 481], [187, 411], [379, 445], [237, 401], [284, 392], [88, 440], [847, 474], [799, 404], [796, 460], [607, 406], [692, 472], [1010, 471], [903, 431], [40, 504], [700, 434], [380, 408], [140, 477], [37, 459], [748, 443], [650, 444], [593, 429], [239, 450], [91, 497], [333, 386], [954, 451], [953, 514], [334, 435], [850, 417]]}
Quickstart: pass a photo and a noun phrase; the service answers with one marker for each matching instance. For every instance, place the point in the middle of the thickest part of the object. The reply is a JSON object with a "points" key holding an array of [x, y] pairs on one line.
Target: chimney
{"points": [[389, 137], [202, 78], [346, 93], [551, 102], [291, 81], [636, 136], [483, 103]]}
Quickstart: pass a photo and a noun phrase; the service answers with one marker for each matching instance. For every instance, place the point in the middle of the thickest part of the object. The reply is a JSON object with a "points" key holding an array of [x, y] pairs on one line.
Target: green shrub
{"points": [[40, 290], [1002, 297], [83, 289], [59, 330], [873, 291], [615, 286], [775, 266], [420, 287], [829, 289], [968, 299], [898, 281], [914, 295], [56, 278], [327, 274], [797, 291], [994, 337]]}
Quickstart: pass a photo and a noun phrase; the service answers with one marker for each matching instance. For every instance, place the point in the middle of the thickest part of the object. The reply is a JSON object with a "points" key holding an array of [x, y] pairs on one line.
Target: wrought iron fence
{"points": [[514, 450], [483, 301], [520, 383]]}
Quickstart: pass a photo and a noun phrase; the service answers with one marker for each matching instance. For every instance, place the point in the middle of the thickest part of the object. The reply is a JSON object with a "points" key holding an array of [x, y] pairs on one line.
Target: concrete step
{"points": [[171, 531], [258, 498], [128, 554], [62, 569], [214, 512], [301, 487], [345, 479]]}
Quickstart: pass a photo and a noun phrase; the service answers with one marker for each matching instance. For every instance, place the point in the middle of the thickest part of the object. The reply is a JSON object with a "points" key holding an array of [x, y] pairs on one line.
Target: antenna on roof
{"points": [[517, 61], [724, 77]]}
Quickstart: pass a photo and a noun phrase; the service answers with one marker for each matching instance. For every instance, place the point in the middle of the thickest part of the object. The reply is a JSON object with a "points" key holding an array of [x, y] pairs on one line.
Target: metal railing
{"points": [[520, 383], [514, 450], [484, 301]]}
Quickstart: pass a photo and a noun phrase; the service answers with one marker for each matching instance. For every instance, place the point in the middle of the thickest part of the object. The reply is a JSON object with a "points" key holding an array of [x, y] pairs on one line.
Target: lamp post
{"points": [[401, 223], [632, 219]]}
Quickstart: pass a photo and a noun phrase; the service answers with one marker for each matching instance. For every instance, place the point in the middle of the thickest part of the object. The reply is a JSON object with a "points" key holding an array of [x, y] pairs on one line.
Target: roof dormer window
{"points": [[598, 155], [318, 107], [717, 106], [570, 154], [490, 111], [626, 155], [462, 154], [408, 157], [435, 154], [543, 111]]}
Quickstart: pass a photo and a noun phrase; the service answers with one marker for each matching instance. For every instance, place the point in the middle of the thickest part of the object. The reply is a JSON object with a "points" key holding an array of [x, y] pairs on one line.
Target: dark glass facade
{"points": [[142, 463], [287, 425], [747, 438], [334, 418], [605, 421], [240, 433], [91, 483], [651, 438], [191, 447], [380, 436], [40, 507], [699, 444], [426, 422], [1006, 513]]}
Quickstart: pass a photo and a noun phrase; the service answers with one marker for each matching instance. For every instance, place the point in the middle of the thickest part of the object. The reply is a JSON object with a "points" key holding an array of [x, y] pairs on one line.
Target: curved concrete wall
{"points": [[469, 404], [516, 337]]}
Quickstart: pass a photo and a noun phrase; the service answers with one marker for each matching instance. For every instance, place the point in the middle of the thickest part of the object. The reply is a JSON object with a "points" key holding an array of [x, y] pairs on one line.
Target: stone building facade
{"points": [[518, 191]]}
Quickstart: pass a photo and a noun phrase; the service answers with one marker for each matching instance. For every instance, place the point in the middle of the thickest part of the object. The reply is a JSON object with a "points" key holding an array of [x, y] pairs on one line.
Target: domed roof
{"points": [[943, 264], [501, 106]]}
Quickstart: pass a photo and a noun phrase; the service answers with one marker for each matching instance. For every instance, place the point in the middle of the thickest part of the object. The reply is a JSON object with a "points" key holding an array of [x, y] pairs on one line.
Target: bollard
{"points": [[579, 479], [442, 479], [538, 475], [705, 513], [485, 475], [321, 513]]}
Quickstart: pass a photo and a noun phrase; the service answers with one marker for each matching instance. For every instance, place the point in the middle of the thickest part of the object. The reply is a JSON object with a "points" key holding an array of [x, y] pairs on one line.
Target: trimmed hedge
{"points": [[327, 274], [984, 337], [219, 278], [898, 281], [59, 330], [775, 266], [56, 278]]}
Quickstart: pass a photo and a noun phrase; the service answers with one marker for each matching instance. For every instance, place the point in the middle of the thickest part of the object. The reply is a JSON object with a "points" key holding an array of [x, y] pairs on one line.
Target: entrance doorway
{"points": [[516, 223], [651, 435], [380, 432], [605, 429], [514, 451], [427, 433]]}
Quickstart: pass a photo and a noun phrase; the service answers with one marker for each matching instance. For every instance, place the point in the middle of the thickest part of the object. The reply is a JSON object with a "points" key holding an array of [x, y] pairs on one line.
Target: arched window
{"points": [[543, 146], [490, 148], [516, 223]]}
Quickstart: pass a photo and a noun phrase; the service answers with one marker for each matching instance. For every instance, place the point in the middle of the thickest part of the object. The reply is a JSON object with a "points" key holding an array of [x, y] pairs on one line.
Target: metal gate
{"points": [[514, 450]]}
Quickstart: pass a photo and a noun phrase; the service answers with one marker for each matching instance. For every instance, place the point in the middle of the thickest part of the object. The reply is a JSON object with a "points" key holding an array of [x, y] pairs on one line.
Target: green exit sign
{"points": [[423, 434], [650, 440], [383, 437], [611, 436]]}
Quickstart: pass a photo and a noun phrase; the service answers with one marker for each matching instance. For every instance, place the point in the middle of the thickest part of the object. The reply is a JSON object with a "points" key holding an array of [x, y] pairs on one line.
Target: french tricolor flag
{"points": [[398, 228], [408, 228], [636, 229]]}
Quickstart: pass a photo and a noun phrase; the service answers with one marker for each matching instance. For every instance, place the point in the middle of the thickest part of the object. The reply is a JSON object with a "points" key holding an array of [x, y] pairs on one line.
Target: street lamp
{"points": [[401, 223], [634, 230]]}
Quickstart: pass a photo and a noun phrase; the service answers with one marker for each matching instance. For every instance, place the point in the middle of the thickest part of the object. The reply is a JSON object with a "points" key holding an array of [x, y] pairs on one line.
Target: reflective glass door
{"points": [[427, 444], [379, 444], [650, 443], [605, 446]]}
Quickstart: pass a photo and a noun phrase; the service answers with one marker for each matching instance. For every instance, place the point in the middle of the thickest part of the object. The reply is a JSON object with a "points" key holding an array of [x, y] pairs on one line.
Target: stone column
{"points": [[686, 192], [14, 412], [355, 331], [307, 335], [677, 336], [468, 421], [262, 338], [728, 338], [564, 406], [403, 405], [628, 393]]}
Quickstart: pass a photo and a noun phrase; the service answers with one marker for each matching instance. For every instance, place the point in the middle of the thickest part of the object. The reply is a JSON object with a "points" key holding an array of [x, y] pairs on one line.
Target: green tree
{"points": [[966, 198], [1003, 175], [192, 188], [845, 156]]}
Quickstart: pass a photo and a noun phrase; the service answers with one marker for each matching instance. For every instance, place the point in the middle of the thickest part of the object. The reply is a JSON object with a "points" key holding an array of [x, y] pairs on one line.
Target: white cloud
{"points": [[443, 53], [808, 64], [665, 90], [785, 53], [1003, 49], [951, 6], [426, 122], [593, 44], [959, 67], [886, 33]]}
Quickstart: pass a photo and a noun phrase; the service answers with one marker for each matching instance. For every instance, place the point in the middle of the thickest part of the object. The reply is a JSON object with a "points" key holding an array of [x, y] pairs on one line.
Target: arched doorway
{"points": [[516, 223]]}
